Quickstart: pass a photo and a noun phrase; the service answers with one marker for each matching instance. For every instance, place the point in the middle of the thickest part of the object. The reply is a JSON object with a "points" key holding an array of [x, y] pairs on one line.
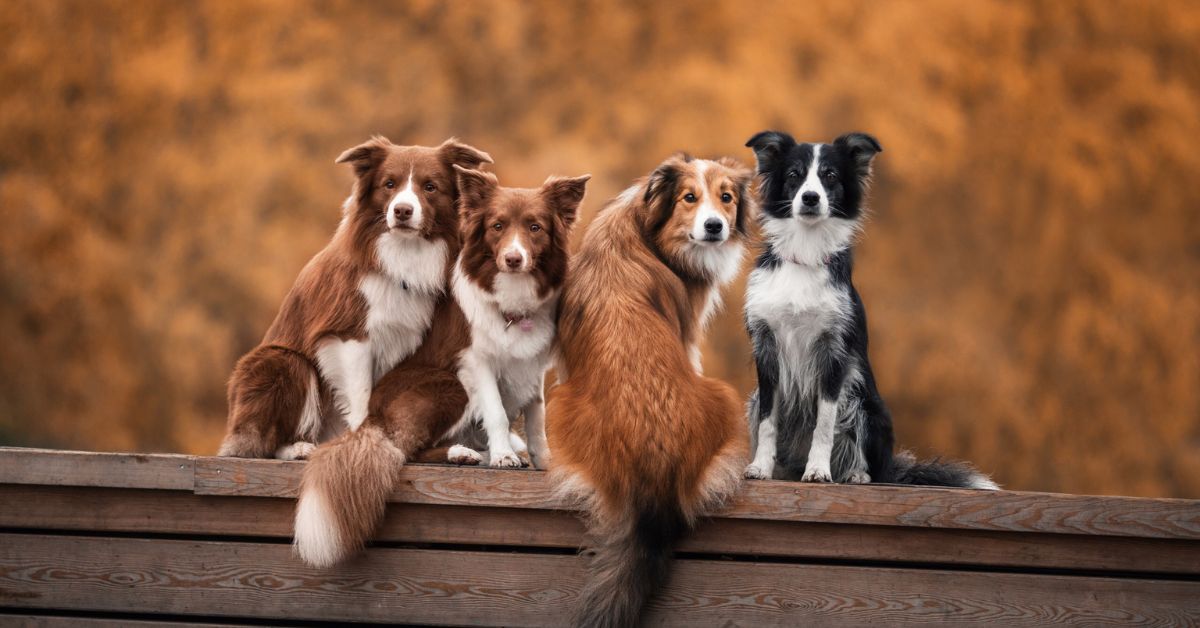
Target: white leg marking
{"points": [[310, 416], [459, 454], [763, 464], [299, 450], [348, 367], [817, 468], [486, 403]]}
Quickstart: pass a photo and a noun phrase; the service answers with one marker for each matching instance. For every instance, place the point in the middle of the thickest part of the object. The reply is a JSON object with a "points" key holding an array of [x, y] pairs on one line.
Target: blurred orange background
{"points": [[1031, 272]]}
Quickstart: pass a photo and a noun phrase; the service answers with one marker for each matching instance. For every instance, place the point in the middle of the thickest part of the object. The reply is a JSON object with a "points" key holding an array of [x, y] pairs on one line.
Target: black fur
{"points": [[834, 355]]}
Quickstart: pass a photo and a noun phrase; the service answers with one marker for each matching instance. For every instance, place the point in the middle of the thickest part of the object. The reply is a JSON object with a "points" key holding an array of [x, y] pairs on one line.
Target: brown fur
{"points": [[269, 385], [419, 403], [637, 433]]}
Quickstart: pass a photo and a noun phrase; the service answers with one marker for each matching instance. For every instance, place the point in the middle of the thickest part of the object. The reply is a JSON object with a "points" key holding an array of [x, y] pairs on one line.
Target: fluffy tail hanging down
{"points": [[907, 470], [631, 561], [343, 494]]}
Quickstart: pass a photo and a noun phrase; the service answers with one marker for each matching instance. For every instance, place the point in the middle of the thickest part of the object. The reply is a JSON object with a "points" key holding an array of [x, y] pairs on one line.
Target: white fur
{"points": [[983, 482], [763, 464], [707, 209], [310, 426], [515, 246], [298, 450], [459, 454], [812, 183], [504, 368], [400, 299], [817, 467], [409, 196], [807, 242], [318, 539], [718, 260]]}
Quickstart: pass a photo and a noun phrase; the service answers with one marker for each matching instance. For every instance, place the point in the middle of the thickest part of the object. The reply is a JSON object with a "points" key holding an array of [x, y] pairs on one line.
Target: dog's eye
{"points": [[430, 187], [793, 175], [535, 227], [389, 184], [498, 226], [830, 176], [726, 197], [689, 197]]}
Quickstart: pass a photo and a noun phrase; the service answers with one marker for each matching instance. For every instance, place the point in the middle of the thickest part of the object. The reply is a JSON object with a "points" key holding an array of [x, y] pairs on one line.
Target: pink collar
{"points": [[522, 320]]}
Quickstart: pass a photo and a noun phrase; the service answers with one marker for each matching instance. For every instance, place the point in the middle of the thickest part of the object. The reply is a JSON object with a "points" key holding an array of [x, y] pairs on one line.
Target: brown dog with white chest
{"points": [[358, 308], [638, 433]]}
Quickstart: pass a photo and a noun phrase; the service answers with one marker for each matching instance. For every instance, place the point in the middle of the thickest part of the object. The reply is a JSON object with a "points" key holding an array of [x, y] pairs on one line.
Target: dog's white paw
{"points": [[299, 450], [858, 477], [816, 475], [459, 454], [509, 460], [753, 472]]}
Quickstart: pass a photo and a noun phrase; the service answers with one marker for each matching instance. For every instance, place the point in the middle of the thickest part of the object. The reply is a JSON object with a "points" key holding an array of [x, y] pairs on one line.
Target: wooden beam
{"points": [[255, 580], [164, 512], [1003, 511], [73, 621], [76, 468]]}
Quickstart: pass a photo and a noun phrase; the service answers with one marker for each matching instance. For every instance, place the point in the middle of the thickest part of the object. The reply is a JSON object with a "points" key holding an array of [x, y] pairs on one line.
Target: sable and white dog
{"points": [[817, 415], [483, 360], [646, 441], [358, 308]]}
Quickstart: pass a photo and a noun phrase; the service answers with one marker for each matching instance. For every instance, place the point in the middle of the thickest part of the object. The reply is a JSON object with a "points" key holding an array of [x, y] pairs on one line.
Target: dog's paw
{"points": [[459, 454], [299, 450], [858, 477], [816, 475], [753, 472], [509, 460]]}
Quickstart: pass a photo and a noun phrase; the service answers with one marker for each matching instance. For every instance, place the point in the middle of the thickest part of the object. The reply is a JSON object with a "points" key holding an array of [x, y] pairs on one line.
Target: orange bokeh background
{"points": [[1031, 271]]}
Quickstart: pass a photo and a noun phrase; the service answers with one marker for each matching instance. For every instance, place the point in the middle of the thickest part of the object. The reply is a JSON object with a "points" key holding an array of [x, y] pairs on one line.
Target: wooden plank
{"points": [[440, 587], [1005, 511], [52, 621], [76, 468], [148, 511]]}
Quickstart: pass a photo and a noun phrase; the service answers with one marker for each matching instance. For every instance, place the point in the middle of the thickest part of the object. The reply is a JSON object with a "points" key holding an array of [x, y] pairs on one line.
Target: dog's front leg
{"points": [[348, 367], [535, 430], [832, 373], [763, 417], [485, 402]]}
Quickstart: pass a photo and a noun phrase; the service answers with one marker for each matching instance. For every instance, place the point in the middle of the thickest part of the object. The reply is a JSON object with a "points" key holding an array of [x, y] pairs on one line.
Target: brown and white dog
{"points": [[638, 434], [358, 308], [483, 360]]}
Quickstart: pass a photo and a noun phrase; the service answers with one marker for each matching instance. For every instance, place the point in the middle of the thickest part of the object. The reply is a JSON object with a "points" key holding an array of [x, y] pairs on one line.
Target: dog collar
{"points": [[522, 320]]}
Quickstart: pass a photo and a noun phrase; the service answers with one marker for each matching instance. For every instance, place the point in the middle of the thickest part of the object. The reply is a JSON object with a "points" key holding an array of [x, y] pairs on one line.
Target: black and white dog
{"points": [[817, 415]]}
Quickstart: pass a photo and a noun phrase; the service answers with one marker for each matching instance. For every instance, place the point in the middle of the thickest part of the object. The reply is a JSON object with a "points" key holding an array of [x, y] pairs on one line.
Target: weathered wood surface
{"points": [[75, 468], [257, 580], [1005, 511], [75, 621], [159, 512]]}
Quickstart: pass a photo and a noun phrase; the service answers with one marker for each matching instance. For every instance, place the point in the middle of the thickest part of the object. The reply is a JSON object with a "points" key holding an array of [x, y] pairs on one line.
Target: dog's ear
{"points": [[768, 146], [455, 153], [474, 188], [743, 180], [366, 156], [862, 148], [564, 194], [660, 194]]}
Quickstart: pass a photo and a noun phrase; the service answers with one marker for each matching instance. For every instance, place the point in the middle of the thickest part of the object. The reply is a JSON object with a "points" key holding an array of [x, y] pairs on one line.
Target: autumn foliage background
{"points": [[1032, 270]]}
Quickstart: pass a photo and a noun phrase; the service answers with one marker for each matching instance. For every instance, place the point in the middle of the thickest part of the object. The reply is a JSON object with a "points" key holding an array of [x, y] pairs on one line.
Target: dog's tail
{"points": [[343, 494], [906, 469], [629, 565]]}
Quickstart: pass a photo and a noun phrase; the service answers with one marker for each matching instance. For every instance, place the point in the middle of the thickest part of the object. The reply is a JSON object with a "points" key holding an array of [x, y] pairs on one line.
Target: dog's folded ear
{"points": [[862, 148], [366, 156], [455, 153], [564, 194], [660, 193], [474, 188], [768, 146]]}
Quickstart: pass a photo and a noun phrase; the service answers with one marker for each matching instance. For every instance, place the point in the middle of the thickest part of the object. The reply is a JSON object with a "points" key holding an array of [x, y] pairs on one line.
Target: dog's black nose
{"points": [[713, 226], [404, 212], [810, 199]]}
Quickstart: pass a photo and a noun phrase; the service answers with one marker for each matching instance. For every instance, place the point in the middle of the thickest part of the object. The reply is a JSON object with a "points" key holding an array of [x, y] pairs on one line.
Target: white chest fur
{"points": [[800, 303], [401, 296]]}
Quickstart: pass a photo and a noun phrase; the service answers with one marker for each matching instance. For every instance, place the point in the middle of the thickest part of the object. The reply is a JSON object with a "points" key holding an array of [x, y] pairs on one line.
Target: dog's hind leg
{"points": [[274, 408]]}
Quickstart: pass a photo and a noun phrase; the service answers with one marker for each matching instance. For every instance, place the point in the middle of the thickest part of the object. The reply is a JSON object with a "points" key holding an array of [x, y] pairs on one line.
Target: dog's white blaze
{"points": [[812, 183], [504, 368], [407, 195], [707, 208], [318, 539], [515, 246]]}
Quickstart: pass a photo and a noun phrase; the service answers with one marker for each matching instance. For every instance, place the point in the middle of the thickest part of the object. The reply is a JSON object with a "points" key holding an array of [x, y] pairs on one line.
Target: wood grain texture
{"points": [[50, 621], [165, 512], [76, 468], [1006, 511], [441, 587]]}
